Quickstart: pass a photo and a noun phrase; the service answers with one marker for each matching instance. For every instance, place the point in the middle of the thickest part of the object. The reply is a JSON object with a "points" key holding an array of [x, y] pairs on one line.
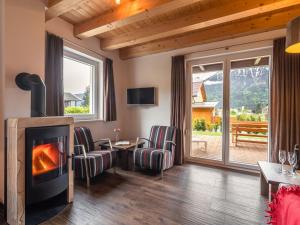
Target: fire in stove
{"points": [[47, 166], [46, 157]]}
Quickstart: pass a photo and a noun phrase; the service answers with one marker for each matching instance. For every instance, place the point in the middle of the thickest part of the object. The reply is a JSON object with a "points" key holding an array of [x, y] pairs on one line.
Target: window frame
{"points": [[226, 57], [96, 95]]}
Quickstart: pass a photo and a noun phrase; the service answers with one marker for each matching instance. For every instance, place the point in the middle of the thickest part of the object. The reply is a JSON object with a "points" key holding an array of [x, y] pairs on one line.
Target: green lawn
{"points": [[77, 110]]}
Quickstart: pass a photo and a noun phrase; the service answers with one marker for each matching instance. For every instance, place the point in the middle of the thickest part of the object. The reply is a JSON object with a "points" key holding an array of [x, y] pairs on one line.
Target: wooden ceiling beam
{"points": [[59, 7], [127, 13], [229, 30], [225, 12]]}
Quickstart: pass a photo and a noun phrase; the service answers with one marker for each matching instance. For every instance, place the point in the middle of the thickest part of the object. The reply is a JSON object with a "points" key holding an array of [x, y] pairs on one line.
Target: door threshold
{"points": [[222, 166]]}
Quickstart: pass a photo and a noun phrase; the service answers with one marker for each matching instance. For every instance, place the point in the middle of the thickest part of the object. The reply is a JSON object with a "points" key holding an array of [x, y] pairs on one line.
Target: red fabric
{"points": [[285, 207]]}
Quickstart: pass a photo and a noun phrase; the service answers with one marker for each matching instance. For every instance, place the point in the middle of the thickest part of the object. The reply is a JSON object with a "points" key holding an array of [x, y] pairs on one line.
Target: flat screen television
{"points": [[141, 96]]}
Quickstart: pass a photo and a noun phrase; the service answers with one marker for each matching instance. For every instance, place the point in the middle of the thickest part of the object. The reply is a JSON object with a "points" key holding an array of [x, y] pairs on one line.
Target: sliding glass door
{"points": [[207, 111], [228, 116], [249, 110]]}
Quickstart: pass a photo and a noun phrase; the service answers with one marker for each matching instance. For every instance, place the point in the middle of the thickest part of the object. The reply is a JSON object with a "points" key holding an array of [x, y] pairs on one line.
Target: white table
{"points": [[270, 177]]}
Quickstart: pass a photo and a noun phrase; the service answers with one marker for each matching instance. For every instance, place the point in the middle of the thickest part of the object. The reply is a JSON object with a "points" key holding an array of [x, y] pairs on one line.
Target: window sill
{"points": [[87, 120]]}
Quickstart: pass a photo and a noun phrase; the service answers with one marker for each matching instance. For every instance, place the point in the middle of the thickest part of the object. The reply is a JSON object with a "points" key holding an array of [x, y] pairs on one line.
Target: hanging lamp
{"points": [[293, 36]]}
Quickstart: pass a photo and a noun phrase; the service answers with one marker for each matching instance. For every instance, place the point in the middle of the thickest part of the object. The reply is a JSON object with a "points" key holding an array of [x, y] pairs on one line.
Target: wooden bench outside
{"points": [[238, 128]]}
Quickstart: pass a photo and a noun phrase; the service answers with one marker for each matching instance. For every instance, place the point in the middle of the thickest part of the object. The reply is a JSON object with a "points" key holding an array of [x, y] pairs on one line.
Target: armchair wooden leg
{"points": [[162, 174], [134, 166], [162, 167], [88, 182], [133, 162], [115, 170]]}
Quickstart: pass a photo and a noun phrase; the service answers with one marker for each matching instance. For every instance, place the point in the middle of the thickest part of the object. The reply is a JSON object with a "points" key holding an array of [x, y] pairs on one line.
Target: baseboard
{"points": [[222, 166]]}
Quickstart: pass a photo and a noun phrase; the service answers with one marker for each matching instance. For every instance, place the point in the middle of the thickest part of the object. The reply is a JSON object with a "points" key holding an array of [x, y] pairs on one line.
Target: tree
{"points": [[258, 108], [86, 97], [200, 125]]}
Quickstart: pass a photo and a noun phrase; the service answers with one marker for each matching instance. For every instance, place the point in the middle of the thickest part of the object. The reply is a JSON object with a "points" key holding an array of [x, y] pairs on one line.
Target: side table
{"points": [[125, 153]]}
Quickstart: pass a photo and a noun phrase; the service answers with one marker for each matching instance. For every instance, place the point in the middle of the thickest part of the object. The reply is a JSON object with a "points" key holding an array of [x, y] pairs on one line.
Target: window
{"points": [[228, 108], [83, 98]]}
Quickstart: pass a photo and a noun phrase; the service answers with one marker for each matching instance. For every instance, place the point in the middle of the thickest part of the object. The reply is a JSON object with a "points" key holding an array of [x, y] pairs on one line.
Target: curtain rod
{"points": [[77, 45]]}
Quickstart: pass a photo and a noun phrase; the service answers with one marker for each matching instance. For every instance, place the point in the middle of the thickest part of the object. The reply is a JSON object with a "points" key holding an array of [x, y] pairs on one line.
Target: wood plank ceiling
{"points": [[142, 27]]}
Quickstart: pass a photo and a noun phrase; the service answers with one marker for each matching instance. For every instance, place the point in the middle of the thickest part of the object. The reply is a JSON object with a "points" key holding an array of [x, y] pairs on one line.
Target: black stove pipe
{"points": [[33, 83]]}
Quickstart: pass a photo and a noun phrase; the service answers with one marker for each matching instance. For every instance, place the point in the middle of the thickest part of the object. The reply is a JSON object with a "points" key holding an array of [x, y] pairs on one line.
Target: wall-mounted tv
{"points": [[141, 96]]}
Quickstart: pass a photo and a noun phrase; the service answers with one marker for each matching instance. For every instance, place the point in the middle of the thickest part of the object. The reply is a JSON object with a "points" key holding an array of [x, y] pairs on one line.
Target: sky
{"points": [[77, 76]]}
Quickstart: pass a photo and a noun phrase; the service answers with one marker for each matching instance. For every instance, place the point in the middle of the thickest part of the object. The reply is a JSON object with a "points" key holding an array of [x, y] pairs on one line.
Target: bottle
{"points": [[297, 151]]}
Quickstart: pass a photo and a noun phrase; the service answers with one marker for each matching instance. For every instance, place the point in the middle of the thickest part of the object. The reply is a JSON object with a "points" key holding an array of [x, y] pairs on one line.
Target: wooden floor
{"points": [[188, 194]]}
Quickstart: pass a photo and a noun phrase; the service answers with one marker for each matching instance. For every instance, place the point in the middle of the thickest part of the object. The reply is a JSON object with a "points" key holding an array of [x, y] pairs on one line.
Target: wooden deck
{"points": [[244, 152]]}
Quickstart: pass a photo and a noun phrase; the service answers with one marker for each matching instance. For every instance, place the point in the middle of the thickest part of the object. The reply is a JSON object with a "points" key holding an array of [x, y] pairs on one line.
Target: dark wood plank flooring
{"points": [[188, 194]]}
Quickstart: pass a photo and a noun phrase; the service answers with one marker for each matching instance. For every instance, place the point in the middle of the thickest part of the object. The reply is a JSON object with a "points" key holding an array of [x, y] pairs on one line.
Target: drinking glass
{"points": [[282, 159], [292, 158]]}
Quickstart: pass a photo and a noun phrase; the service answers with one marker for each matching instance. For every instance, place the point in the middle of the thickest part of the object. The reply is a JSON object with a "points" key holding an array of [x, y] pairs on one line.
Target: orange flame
{"points": [[45, 158]]}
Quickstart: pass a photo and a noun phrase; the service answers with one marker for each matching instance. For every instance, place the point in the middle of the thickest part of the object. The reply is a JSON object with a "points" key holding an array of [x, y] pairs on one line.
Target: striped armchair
{"points": [[160, 153], [90, 162]]}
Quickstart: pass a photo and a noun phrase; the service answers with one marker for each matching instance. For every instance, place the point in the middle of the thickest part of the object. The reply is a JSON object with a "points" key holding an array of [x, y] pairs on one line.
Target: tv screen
{"points": [[141, 96]]}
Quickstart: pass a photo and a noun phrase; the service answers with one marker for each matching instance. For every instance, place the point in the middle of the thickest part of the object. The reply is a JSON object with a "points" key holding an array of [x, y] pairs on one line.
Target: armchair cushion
{"points": [[83, 136], [97, 162], [160, 134], [151, 158]]}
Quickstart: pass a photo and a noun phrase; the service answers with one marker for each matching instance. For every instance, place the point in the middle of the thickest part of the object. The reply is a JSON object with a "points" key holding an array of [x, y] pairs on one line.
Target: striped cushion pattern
{"points": [[97, 162], [150, 158], [83, 136], [159, 134]]}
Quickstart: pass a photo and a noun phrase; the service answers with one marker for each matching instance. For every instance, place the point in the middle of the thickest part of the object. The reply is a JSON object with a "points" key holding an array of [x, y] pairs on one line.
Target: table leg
{"points": [[264, 186], [130, 160], [122, 159], [273, 190], [126, 165]]}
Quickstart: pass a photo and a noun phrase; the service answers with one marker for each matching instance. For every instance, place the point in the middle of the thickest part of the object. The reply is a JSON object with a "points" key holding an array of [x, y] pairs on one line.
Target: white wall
{"points": [[155, 70], [152, 71], [24, 51], [99, 129]]}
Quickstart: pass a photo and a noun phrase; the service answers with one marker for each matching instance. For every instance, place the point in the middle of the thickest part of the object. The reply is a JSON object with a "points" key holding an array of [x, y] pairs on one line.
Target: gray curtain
{"points": [[54, 75], [110, 112], [285, 100], [178, 95]]}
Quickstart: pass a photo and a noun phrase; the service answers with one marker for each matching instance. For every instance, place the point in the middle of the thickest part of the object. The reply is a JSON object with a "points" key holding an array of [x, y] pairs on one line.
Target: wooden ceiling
{"points": [[142, 27]]}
